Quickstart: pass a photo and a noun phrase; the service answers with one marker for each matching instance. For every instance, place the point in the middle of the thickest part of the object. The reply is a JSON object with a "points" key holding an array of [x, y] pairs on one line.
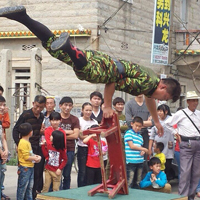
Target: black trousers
{"points": [[38, 171], [168, 166], [93, 175], [145, 135]]}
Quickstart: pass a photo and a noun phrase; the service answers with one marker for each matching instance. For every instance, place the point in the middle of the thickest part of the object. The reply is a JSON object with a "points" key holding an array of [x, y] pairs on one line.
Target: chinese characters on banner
{"points": [[160, 42]]}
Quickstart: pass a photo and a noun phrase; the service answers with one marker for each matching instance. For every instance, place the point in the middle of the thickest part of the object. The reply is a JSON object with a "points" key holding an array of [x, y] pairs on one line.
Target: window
{"points": [[26, 47], [184, 11], [128, 1]]}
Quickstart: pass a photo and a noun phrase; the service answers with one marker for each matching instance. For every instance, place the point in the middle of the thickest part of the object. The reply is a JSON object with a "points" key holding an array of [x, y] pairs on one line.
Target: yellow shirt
{"points": [[162, 158], [24, 151]]}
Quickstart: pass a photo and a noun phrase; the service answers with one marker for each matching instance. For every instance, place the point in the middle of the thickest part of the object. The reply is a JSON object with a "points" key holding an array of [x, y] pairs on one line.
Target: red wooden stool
{"points": [[117, 182]]}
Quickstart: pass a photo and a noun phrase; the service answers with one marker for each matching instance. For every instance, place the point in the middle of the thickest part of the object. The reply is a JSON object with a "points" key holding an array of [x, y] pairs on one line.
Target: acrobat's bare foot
{"points": [[61, 43], [12, 12]]}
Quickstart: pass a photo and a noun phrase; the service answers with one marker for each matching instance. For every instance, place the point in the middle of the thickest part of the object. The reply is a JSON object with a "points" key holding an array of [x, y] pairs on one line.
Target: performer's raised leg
{"points": [[18, 13]]}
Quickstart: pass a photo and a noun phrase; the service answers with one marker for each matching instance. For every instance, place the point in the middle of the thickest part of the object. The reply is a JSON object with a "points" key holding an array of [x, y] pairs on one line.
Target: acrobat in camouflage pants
{"points": [[101, 68]]}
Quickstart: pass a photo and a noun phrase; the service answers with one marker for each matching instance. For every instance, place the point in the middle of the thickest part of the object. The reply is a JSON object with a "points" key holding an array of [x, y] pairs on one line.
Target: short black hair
{"points": [[66, 100], [40, 99], [160, 146], [55, 116], [173, 88], [96, 93], [153, 161], [137, 119], [58, 140], [2, 99], [118, 100], [164, 108], [25, 129], [1, 89]]}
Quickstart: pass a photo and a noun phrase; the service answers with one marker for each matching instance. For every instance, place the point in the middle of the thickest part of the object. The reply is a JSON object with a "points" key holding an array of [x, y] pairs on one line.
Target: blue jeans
{"points": [[3, 169], [131, 169], [25, 183], [67, 170], [198, 187], [82, 159]]}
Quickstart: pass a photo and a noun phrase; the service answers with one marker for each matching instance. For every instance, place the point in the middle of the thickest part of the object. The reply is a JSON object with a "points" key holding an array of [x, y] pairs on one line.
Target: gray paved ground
{"points": [[11, 182]]}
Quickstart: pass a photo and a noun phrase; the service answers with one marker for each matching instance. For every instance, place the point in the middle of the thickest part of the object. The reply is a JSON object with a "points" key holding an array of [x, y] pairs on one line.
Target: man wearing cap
{"points": [[188, 130]]}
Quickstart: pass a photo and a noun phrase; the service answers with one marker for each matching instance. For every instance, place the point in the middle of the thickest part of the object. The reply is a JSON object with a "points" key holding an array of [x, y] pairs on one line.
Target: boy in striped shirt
{"points": [[134, 152]]}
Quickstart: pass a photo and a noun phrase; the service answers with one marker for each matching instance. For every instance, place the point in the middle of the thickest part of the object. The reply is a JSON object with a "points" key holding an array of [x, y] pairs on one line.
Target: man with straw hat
{"points": [[188, 126]]}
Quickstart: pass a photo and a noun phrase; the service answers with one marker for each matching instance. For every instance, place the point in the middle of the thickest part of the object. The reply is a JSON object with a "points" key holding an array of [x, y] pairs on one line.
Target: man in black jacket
{"points": [[35, 118]]}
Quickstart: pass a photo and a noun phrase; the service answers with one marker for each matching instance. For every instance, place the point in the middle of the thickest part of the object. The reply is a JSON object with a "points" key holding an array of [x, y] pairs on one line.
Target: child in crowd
{"points": [[85, 123], [93, 169], [155, 180], [118, 104], [55, 155], [167, 139], [55, 119], [158, 148], [5, 119], [134, 152], [4, 116], [26, 163]]}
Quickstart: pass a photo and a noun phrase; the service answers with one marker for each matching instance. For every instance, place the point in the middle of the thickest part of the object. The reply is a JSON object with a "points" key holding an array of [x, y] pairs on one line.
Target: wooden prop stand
{"points": [[117, 182]]}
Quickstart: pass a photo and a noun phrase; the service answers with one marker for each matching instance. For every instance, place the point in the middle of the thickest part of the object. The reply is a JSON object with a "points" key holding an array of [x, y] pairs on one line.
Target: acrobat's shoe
{"points": [[61, 43], [12, 12]]}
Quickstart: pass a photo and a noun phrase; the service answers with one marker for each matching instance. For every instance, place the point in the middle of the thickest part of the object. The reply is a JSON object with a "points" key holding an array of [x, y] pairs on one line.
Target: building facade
{"points": [[120, 28]]}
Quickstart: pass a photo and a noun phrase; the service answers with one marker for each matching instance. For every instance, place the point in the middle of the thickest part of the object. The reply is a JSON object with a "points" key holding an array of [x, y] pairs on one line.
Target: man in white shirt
{"points": [[189, 145]]}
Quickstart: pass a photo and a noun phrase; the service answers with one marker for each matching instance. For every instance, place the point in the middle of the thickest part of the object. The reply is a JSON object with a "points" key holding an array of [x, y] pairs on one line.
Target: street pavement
{"points": [[11, 182]]}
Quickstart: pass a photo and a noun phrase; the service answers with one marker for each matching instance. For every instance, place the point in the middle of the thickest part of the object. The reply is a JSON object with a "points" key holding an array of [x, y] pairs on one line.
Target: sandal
{"points": [[4, 197], [198, 194]]}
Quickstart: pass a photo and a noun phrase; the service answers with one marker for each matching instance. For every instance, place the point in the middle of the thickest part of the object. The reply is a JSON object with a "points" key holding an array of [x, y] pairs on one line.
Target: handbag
{"points": [[191, 121]]}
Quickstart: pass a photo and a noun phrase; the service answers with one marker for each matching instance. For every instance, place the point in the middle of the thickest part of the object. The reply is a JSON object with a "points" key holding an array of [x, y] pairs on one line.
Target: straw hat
{"points": [[191, 95]]}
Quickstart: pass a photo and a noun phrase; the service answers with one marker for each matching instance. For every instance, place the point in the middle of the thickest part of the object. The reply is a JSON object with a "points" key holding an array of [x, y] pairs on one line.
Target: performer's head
{"points": [[168, 88]]}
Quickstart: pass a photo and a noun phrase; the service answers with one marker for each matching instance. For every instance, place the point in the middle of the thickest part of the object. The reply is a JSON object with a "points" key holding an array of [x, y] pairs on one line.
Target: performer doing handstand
{"points": [[98, 67]]}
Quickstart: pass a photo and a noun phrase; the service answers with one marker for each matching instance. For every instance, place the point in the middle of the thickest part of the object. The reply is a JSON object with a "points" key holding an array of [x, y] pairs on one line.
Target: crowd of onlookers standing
{"points": [[46, 141]]}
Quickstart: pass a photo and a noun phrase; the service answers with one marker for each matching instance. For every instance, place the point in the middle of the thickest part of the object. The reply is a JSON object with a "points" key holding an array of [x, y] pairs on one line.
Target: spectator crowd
{"points": [[46, 141]]}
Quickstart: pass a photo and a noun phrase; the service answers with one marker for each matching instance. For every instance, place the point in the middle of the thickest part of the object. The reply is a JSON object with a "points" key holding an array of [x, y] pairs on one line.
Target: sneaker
{"points": [[4, 197], [9, 11], [198, 194]]}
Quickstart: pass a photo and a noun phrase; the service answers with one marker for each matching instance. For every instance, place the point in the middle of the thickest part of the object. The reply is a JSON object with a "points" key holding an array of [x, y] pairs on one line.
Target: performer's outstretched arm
{"points": [[151, 105], [108, 93]]}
